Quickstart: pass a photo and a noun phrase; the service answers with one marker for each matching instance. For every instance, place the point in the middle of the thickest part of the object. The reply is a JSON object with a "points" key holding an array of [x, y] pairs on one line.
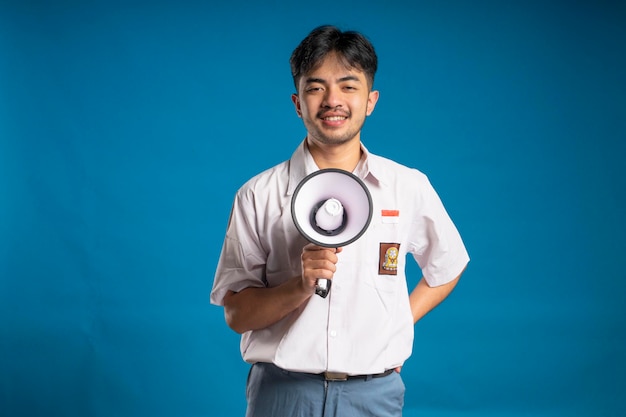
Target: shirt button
{"points": [[333, 333]]}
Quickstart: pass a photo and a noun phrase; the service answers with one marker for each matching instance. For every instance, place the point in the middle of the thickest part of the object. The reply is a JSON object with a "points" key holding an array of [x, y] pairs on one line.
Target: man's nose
{"points": [[332, 98]]}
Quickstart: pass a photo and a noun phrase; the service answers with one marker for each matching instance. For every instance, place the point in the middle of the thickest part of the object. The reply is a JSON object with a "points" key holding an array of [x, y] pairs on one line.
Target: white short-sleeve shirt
{"points": [[365, 324]]}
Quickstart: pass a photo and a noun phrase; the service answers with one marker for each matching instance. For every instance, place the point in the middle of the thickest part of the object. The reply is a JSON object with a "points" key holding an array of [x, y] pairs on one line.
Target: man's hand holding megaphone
{"points": [[318, 266]]}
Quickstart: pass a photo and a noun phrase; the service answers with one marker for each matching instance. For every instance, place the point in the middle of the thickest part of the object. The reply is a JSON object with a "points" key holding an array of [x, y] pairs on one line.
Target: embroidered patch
{"points": [[390, 216], [388, 259]]}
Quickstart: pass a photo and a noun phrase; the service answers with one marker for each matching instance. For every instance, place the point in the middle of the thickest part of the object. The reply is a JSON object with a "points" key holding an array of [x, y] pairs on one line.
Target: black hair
{"points": [[353, 48]]}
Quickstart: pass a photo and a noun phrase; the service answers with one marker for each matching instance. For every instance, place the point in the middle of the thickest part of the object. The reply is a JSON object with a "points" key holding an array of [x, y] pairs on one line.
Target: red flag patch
{"points": [[390, 216]]}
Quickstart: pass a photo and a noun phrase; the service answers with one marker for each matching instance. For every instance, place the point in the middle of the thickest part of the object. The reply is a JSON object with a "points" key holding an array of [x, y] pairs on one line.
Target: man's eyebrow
{"points": [[310, 80], [349, 78]]}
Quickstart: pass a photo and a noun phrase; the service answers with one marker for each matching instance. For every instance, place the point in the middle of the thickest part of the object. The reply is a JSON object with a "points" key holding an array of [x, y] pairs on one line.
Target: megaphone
{"points": [[331, 208]]}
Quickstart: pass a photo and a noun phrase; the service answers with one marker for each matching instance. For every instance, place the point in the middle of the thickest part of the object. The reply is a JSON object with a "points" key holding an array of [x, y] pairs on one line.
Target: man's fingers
{"points": [[319, 262]]}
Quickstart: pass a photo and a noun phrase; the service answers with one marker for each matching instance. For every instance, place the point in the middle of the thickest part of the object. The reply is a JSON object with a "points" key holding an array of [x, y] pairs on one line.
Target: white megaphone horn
{"points": [[331, 208]]}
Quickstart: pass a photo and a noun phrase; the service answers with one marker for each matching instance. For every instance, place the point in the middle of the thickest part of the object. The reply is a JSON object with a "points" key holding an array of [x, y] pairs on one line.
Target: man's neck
{"points": [[345, 156]]}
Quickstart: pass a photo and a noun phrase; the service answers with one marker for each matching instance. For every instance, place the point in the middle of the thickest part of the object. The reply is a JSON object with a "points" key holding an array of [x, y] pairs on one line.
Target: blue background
{"points": [[126, 128]]}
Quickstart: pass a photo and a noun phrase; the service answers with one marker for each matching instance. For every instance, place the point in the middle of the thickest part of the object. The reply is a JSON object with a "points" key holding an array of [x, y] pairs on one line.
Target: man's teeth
{"points": [[335, 118]]}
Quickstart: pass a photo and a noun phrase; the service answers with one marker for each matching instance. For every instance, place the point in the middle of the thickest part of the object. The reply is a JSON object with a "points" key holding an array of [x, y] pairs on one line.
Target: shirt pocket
{"points": [[386, 258]]}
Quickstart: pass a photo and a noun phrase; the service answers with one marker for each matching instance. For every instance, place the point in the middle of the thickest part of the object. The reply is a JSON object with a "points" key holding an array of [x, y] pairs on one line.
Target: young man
{"points": [[340, 355]]}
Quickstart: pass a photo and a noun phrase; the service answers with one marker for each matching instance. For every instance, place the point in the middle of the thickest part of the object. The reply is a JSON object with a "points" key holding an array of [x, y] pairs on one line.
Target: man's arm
{"points": [[424, 298], [258, 308]]}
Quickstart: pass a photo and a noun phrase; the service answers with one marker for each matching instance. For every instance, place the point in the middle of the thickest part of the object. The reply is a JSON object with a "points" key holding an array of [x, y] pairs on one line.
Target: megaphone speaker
{"points": [[331, 208]]}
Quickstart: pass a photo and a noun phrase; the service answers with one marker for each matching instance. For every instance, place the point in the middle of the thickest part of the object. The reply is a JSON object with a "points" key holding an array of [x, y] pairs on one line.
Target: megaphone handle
{"points": [[322, 287]]}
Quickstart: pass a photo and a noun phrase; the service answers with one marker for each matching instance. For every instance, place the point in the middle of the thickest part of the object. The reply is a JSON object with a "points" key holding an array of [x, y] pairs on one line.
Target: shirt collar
{"points": [[302, 164]]}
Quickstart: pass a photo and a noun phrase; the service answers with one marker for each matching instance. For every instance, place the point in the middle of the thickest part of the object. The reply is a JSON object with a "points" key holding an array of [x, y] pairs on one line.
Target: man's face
{"points": [[334, 101]]}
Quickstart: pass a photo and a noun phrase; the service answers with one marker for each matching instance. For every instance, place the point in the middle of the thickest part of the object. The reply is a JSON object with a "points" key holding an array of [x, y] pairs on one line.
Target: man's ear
{"points": [[372, 99], [296, 102]]}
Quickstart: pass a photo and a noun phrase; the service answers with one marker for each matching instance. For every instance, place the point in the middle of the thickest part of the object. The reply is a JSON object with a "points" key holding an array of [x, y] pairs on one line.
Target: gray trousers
{"points": [[273, 392]]}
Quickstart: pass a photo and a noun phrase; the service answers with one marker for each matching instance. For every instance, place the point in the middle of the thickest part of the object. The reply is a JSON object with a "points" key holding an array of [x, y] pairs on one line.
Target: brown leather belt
{"points": [[341, 376]]}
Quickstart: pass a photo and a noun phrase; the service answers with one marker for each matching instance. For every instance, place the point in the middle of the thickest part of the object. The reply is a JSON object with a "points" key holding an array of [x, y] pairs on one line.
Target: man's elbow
{"points": [[232, 314], [233, 322]]}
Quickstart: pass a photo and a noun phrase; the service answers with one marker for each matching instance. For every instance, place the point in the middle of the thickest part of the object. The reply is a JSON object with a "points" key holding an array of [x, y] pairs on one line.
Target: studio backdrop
{"points": [[127, 127]]}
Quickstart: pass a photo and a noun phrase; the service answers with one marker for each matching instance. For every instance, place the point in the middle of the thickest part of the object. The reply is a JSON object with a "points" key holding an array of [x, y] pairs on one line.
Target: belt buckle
{"points": [[335, 376]]}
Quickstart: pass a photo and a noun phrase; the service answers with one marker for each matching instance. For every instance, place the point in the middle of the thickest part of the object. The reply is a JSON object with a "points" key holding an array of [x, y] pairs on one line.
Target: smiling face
{"points": [[333, 101]]}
